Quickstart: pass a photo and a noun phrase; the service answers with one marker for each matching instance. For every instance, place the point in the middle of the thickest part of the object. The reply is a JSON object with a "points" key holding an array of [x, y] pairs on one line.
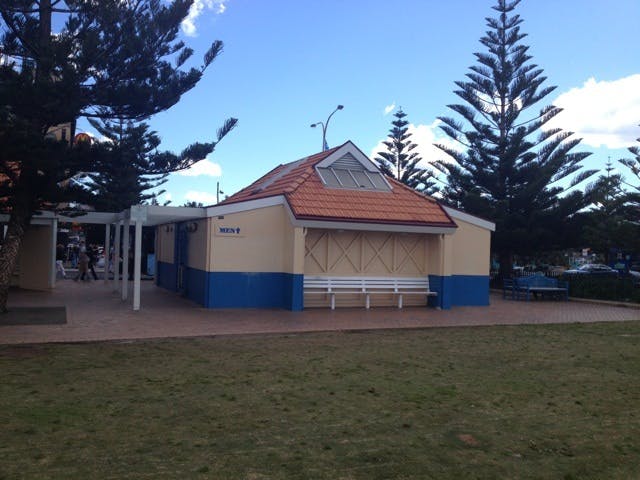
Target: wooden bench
{"points": [[539, 284], [367, 286]]}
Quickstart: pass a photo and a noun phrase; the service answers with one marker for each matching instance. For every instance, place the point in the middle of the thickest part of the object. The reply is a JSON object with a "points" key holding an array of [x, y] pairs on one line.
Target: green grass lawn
{"points": [[557, 401]]}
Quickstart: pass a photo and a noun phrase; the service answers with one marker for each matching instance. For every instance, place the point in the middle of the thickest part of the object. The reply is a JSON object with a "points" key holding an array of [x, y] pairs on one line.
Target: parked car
{"points": [[592, 269], [635, 275]]}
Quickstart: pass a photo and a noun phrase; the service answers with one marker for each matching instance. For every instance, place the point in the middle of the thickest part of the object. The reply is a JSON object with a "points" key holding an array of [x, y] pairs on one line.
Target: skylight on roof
{"points": [[351, 178], [348, 167]]}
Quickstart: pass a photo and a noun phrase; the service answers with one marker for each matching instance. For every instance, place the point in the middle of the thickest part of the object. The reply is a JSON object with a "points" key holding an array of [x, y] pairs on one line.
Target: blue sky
{"points": [[288, 63]]}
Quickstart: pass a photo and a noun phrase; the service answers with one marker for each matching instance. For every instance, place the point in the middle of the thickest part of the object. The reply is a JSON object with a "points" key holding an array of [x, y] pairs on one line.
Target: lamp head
{"points": [[340, 107], [314, 125]]}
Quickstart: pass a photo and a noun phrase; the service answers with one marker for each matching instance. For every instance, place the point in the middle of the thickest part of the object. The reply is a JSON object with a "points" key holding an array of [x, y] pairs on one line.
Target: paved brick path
{"points": [[95, 312]]}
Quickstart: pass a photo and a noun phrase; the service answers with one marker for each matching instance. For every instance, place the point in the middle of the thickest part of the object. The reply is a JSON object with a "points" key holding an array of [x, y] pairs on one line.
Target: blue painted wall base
{"points": [[236, 289], [285, 290], [255, 290], [459, 290]]}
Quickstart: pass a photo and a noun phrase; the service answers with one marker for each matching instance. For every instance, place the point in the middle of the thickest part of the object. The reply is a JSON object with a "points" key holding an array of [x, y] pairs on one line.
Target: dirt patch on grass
{"points": [[468, 440]]}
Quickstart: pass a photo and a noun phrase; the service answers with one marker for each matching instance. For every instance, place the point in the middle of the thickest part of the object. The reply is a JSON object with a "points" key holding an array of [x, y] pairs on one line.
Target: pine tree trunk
{"points": [[9, 251]]}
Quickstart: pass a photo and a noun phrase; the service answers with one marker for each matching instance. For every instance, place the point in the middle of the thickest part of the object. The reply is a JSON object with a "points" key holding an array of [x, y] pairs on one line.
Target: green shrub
{"points": [[619, 288]]}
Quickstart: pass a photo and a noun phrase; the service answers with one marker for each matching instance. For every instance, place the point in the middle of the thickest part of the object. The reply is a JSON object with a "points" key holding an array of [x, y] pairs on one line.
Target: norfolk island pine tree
{"points": [[510, 169], [399, 161]]}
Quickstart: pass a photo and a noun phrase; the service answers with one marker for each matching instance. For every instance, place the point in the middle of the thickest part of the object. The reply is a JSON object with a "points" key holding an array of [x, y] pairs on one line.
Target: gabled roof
{"points": [[309, 198]]}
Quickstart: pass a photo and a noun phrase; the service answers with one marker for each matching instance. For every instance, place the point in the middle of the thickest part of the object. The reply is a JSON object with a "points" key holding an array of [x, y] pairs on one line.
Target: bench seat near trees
{"points": [[523, 287], [367, 286]]}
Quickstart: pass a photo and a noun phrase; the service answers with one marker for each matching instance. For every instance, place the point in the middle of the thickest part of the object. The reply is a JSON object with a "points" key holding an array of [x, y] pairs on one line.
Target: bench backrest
{"points": [[334, 283], [366, 283], [536, 281]]}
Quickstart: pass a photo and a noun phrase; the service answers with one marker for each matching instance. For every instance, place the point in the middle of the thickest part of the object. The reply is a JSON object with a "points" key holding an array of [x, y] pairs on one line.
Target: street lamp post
{"points": [[324, 126]]}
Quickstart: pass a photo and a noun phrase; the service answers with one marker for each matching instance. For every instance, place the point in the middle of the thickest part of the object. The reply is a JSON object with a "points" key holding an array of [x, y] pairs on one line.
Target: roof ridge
{"points": [[423, 196], [260, 179], [308, 170]]}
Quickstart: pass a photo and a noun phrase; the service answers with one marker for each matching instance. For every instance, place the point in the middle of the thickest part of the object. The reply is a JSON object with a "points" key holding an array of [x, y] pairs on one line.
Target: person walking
{"points": [[83, 264], [60, 257], [92, 254]]}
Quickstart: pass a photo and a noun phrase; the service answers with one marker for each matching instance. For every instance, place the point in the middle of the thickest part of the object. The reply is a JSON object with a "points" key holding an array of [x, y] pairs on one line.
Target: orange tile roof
{"points": [[310, 199]]}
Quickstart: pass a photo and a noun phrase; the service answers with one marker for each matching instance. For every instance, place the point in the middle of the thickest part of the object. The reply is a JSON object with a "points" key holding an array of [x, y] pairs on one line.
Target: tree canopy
{"points": [[511, 167], [633, 164], [66, 59], [131, 164], [608, 224]]}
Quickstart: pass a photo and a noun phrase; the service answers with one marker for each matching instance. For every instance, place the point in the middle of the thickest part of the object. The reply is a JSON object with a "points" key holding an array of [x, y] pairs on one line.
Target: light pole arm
{"points": [[325, 125]]}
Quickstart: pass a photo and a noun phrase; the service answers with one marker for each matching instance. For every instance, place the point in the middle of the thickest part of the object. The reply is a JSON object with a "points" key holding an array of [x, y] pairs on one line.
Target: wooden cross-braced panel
{"points": [[329, 252]]}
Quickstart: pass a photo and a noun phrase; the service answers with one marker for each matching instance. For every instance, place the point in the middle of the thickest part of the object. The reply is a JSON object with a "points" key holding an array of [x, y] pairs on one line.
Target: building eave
{"points": [[473, 220]]}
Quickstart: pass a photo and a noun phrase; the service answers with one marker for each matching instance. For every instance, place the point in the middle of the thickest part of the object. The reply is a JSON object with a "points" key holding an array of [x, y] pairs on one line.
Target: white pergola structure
{"points": [[136, 216]]}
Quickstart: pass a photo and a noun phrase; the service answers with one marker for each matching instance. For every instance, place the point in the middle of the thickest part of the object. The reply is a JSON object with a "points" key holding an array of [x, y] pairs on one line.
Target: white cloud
{"points": [[166, 197], [389, 108], [197, 7], [203, 167], [602, 113], [205, 198], [424, 136]]}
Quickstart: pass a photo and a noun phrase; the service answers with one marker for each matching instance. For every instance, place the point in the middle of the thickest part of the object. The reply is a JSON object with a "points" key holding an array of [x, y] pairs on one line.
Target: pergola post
{"points": [[137, 265], [125, 260], [116, 258], [107, 251], [54, 243]]}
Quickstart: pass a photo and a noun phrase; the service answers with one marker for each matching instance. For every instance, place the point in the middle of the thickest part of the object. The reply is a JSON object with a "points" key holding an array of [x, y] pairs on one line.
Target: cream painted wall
{"points": [[471, 250], [198, 245], [299, 238], [36, 258], [165, 243], [262, 244]]}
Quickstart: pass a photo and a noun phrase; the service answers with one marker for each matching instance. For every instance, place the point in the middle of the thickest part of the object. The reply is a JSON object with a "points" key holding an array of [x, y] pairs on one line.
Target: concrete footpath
{"points": [[96, 313]]}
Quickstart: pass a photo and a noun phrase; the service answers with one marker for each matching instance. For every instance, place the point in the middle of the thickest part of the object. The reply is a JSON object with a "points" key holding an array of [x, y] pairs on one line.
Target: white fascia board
{"points": [[349, 147], [42, 221], [99, 218], [187, 212], [216, 210], [465, 217], [373, 227], [160, 215]]}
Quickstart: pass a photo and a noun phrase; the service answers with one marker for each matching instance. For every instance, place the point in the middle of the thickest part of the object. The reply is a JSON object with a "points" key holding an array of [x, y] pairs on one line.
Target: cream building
{"points": [[332, 214]]}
